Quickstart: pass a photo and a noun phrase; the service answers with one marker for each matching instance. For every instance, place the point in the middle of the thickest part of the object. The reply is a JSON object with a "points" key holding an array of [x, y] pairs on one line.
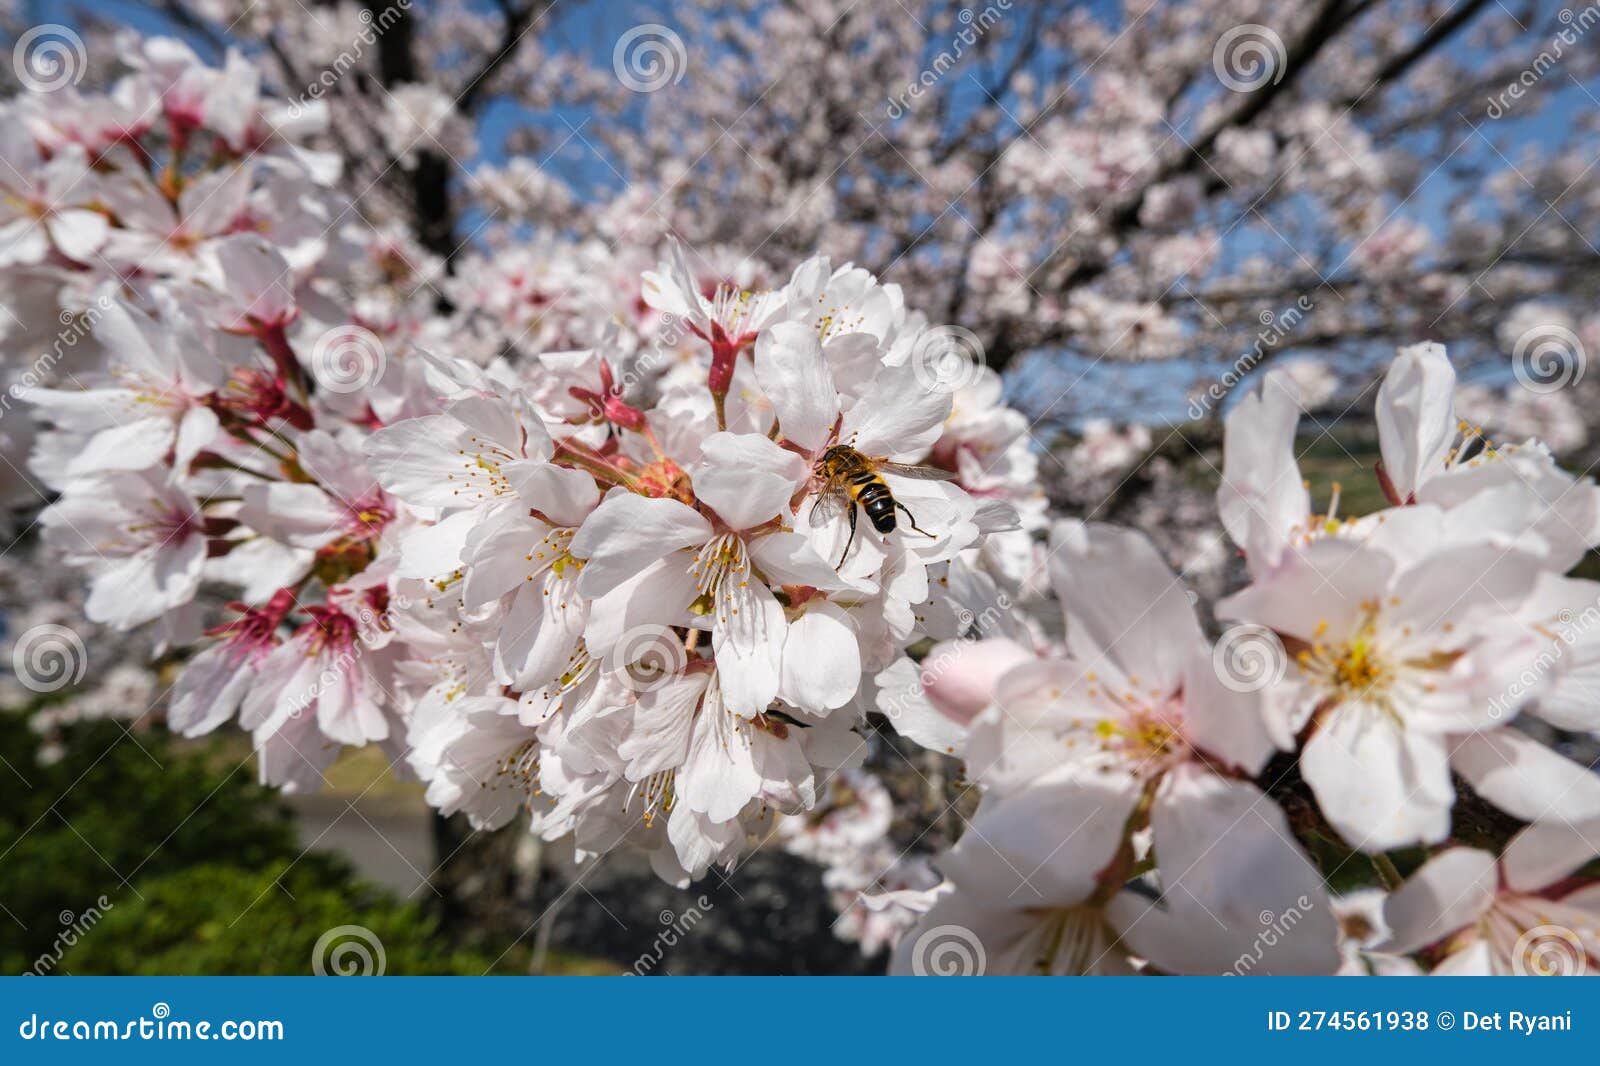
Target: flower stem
{"points": [[1386, 871]]}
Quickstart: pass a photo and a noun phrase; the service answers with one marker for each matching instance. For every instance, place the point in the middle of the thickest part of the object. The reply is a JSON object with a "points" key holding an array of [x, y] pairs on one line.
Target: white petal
{"points": [[658, 595], [416, 460], [538, 634], [628, 532], [496, 555], [257, 277], [749, 652], [562, 495], [658, 735], [821, 660], [900, 699], [789, 559], [1044, 845], [792, 372], [1324, 587], [427, 552], [208, 692], [1124, 606], [1416, 416], [900, 420], [1262, 497], [79, 234], [746, 478], [1545, 852], [1236, 889], [1524, 778], [299, 515], [720, 776], [1449, 891], [960, 677], [1379, 784], [1228, 724]]}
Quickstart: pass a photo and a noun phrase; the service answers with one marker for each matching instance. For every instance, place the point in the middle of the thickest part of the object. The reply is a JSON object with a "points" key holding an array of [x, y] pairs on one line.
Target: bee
{"points": [[850, 478]]}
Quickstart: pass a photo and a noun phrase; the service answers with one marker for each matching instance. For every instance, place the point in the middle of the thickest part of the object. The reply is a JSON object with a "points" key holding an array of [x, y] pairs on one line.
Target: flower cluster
{"points": [[632, 588], [1127, 818], [638, 546], [650, 624]]}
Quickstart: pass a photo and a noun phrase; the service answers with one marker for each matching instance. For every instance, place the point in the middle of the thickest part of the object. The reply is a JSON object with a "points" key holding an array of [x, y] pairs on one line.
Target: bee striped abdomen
{"points": [[873, 495]]}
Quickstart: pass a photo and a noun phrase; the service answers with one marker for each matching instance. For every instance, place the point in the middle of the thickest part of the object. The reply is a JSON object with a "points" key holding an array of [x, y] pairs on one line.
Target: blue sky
{"points": [[1153, 393]]}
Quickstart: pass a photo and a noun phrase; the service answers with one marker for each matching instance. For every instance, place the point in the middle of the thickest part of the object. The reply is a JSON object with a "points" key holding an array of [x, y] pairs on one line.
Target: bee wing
{"points": [[918, 473], [830, 504]]}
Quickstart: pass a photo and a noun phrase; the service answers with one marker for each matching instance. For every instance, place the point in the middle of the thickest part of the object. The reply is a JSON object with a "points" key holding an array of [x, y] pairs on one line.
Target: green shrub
{"points": [[154, 855], [221, 919], [114, 811]]}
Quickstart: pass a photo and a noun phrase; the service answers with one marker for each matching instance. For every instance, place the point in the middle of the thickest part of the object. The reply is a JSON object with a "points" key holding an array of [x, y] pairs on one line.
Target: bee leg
{"points": [[912, 520], [850, 539]]}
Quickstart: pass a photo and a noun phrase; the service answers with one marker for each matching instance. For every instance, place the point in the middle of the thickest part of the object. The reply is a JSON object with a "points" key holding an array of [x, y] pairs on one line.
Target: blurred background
{"points": [[1129, 209]]}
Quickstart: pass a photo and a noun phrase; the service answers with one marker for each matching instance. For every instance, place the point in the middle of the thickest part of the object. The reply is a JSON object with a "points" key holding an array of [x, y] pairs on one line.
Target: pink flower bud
{"points": [[959, 676]]}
